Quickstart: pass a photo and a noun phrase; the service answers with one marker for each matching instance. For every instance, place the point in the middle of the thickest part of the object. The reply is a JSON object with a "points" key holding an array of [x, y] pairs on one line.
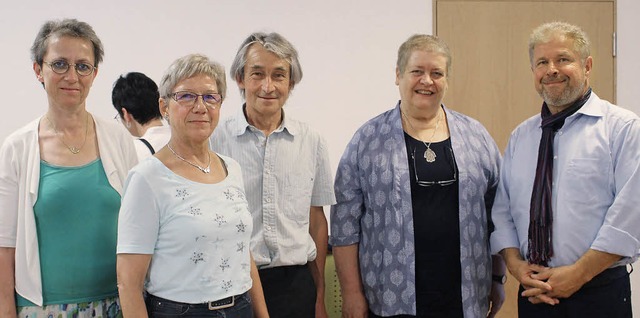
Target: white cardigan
{"points": [[19, 177]]}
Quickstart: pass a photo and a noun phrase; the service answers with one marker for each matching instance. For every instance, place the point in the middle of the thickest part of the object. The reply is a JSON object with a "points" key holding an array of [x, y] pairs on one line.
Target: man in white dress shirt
{"points": [[285, 166], [567, 210]]}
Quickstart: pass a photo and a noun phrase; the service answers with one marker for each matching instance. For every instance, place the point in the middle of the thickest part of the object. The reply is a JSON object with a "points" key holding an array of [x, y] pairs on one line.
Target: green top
{"points": [[76, 221]]}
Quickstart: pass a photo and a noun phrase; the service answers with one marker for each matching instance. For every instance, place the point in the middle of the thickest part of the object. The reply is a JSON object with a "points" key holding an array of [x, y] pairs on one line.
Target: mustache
{"points": [[554, 79]]}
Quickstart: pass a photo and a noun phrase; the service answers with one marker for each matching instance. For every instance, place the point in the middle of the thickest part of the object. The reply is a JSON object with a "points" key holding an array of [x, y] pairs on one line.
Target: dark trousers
{"points": [[289, 291], [606, 295], [163, 308], [423, 312]]}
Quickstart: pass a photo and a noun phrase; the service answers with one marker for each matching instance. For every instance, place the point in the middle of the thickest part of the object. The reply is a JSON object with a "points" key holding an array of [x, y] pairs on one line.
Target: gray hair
{"points": [[424, 42], [189, 66], [65, 27], [546, 32], [272, 42]]}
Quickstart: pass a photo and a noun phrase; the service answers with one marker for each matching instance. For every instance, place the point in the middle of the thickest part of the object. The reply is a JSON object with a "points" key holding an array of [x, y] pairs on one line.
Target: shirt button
{"points": [[555, 157], [268, 199]]}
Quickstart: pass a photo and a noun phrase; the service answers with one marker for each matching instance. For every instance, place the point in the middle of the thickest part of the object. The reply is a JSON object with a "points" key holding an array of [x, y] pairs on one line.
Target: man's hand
{"points": [[565, 281], [321, 310], [535, 287]]}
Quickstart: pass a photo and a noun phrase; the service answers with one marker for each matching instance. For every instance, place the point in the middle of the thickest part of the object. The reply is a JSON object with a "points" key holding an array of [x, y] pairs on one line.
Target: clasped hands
{"points": [[548, 284]]}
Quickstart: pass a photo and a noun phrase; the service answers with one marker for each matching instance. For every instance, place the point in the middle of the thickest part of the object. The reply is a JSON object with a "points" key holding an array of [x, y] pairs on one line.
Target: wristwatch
{"points": [[499, 279]]}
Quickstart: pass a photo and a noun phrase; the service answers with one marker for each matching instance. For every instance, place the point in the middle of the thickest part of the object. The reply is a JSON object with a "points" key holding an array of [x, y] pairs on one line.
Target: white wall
{"points": [[347, 51], [628, 94]]}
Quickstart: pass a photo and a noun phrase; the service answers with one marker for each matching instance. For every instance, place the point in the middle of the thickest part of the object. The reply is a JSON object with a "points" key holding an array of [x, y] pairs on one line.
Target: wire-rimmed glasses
{"points": [[62, 66], [189, 99], [442, 183]]}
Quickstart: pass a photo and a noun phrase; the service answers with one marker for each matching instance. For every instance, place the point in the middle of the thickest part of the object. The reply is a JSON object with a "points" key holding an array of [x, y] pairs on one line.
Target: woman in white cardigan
{"points": [[61, 178]]}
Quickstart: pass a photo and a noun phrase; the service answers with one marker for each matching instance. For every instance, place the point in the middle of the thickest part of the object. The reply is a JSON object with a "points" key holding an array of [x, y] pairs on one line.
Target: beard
{"points": [[569, 95]]}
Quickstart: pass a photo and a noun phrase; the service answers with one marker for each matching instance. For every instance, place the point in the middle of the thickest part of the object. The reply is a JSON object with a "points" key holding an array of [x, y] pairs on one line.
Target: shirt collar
{"points": [[242, 125], [592, 107]]}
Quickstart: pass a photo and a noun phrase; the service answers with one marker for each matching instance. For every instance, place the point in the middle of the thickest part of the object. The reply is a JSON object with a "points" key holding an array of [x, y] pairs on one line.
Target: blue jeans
{"points": [[163, 308]]}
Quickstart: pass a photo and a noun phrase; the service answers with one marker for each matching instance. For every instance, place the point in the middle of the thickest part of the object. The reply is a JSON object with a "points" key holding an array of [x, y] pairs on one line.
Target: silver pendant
{"points": [[429, 155], [74, 150]]}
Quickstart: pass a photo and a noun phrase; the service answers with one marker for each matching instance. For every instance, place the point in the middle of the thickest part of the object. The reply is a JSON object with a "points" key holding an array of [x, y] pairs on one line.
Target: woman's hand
{"points": [[354, 305]]}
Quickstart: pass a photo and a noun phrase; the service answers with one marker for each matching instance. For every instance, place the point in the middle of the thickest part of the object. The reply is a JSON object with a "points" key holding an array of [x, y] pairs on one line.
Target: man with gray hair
{"points": [[567, 211], [286, 175]]}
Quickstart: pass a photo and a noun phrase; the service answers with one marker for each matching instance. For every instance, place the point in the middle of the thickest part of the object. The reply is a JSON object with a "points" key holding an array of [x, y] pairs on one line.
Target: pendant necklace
{"points": [[429, 155], [206, 169], [74, 150]]}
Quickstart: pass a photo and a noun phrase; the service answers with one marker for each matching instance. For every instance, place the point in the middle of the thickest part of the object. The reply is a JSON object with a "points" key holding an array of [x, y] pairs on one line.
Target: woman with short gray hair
{"points": [[185, 226]]}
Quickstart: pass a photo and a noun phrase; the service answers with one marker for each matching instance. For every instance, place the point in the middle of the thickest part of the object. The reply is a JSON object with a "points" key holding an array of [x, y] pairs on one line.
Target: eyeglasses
{"points": [[189, 99], [62, 66], [443, 183]]}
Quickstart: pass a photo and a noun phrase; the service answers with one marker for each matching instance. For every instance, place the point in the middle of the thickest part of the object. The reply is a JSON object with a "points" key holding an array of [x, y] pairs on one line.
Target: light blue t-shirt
{"points": [[199, 234], [76, 220]]}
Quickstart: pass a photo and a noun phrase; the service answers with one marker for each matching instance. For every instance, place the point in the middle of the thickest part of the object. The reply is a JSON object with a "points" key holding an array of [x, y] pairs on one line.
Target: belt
{"points": [[263, 268], [211, 305]]}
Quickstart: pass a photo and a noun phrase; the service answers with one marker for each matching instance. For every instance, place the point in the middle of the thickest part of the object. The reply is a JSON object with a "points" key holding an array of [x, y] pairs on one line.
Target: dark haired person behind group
{"points": [[135, 96]]}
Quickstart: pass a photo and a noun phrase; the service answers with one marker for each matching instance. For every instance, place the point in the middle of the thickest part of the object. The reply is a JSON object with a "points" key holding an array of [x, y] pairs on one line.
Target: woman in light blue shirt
{"points": [[184, 226]]}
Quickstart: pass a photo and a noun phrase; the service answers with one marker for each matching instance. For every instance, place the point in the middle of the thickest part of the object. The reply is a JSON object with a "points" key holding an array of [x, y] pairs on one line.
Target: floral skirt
{"points": [[106, 308]]}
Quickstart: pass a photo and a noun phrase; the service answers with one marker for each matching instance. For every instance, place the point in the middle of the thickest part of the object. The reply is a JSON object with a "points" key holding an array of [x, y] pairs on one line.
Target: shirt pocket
{"points": [[297, 195], [587, 183]]}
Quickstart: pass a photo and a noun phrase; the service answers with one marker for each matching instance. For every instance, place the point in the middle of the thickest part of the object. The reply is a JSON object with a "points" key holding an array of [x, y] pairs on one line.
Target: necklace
{"points": [[74, 150], [206, 169], [429, 155]]}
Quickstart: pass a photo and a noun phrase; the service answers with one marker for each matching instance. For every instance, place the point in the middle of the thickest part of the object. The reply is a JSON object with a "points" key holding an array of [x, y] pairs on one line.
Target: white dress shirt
{"points": [[284, 175]]}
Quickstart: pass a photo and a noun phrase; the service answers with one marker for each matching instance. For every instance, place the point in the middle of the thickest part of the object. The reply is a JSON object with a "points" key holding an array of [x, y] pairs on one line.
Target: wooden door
{"points": [[491, 78]]}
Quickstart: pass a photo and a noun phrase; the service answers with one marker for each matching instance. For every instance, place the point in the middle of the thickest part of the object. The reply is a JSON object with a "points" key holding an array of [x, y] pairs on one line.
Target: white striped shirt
{"points": [[284, 175]]}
